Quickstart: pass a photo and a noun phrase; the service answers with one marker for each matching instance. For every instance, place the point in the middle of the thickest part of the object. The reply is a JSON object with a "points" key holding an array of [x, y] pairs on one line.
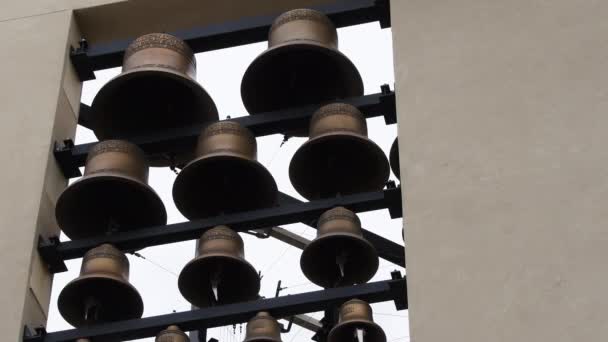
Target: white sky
{"points": [[220, 72]]}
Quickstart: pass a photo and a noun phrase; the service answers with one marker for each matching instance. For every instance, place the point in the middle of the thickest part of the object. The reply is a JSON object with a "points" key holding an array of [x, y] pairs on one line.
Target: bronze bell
{"points": [[339, 255], [102, 292], [356, 323], [301, 66], [263, 328], [225, 177], [219, 274], [112, 195], [394, 158], [172, 334], [338, 159], [156, 90]]}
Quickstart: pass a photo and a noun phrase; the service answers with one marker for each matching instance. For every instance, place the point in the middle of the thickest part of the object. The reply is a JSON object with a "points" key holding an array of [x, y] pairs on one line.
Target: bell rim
{"points": [[353, 76], [307, 259], [188, 271], [184, 178], [107, 93], [339, 329], [300, 158], [393, 157], [128, 287], [79, 186], [263, 339]]}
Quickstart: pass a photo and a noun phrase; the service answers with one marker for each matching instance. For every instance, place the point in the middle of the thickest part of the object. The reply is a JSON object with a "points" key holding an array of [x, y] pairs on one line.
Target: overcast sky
{"points": [[220, 73]]}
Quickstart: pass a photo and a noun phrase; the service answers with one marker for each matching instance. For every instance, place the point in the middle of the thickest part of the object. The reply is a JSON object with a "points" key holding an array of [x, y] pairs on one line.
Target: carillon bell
{"points": [[172, 334], [301, 66], [113, 194], [102, 292], [338, 159], [156, 90], [394, 158], [263, 328], [356, 324], [219, 274], [225, 177], [339, 256]]}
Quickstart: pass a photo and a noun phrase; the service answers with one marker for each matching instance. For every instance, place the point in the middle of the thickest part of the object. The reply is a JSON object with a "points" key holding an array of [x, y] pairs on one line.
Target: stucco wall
{"points": [[502, 130]]}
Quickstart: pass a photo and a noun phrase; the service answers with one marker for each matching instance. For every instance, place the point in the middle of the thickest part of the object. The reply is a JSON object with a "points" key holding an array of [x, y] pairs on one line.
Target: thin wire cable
{"points": [[276, 152], [392, 315], [269, 267], [296, 334], [399, 338], [155, 264]]}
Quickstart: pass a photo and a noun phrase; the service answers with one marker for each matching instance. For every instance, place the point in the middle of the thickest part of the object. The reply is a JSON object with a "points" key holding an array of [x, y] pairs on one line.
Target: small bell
{"points": [[356, 324], [301, 66], [156, 90], [226, 176], [113, 194], [102, 293], [172, 334], [263, 328], [338, 159], [219, 274], [394, 158], [339, 256]]}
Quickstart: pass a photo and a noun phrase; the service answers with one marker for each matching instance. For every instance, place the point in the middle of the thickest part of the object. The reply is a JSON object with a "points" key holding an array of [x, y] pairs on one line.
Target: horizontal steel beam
{"points": [[70, 156], [55, 252], [88, 58], [388, 290]]}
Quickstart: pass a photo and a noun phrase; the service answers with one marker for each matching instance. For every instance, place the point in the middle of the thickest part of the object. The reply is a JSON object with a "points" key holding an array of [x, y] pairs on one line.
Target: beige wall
{"points": [[503, 132]]}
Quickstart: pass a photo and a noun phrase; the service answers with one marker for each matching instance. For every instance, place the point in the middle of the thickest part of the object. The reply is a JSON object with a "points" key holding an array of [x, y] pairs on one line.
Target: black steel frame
{"points": [[88, 58], [55, 253], [388, 290], [70, 156]]}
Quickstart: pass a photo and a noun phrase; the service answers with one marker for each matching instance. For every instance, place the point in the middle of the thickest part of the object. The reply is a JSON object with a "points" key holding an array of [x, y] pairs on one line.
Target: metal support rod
{"points": [[70, 156], [234, 313], [90, 57], [55, 252], [307, 323], [286, 236]]}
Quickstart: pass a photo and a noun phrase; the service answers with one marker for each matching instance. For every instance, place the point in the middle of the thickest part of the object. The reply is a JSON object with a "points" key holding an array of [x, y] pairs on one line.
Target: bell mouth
{"points": [[318, 260], [239, 280], [338, 163], [118, 299], [298, 73], [394, 158], [220, 184], [346, 331], [97, 203], [261, 339], [148, 100]]}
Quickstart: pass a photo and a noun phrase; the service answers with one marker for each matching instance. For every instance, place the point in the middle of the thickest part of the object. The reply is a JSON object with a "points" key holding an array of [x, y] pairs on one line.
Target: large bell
{"points": [[113, 195], [219, 274], [301, 66], [102, 292], [394, 158], [356, 324], [172, 334], [339, 256], [156, 90], [225, 177], [338, 159], [263, 328]]}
